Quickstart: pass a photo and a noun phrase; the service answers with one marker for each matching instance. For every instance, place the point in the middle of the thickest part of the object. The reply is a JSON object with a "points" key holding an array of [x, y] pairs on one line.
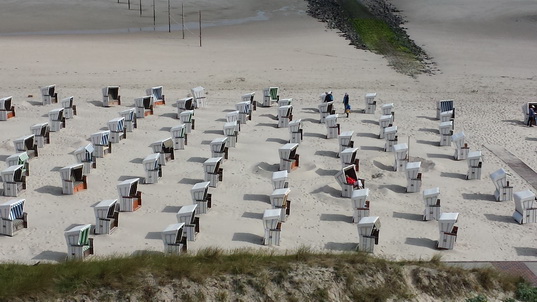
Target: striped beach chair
{"points": [[79, 243], [13, 217]]}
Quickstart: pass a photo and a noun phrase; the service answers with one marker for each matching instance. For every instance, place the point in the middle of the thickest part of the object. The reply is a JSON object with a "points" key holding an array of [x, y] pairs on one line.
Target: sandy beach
{"points": [[483, 51]]}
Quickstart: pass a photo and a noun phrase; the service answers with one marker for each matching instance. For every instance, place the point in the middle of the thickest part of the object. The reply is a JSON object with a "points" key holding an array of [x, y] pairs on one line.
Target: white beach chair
{"points": [[56, 119], [48, 94], [85, 156], [446, 132], [201, 197], [280, 180], [279, 199], [7, 110], [106, 216], [130, 199], [462, 149], [390, 134], [400, 152], [219, 147], [130, 119], [245, 111], [26, 144], [289, 159], [12, 217], [296, 131], [175, 242], [360, 204], [326, 109], [448, 230], [443, 106], [348, 157], [165, 148], [187, 117], [101, 142], [179, 137], [79, 244], [285, 116], [187, 215], [385, 121], [413, 177], [525, 207], [213, 172], [199, 95], [370, 103], [184, 104], [231, 131], [22, 159], [158, 95], [475, 163], [504, 192], [73, 179], [285, 102], [144, 106], [117, 129], [333, 129], [387, 109], [14, 180], [349, 181], [249, 97], [270, 96], [273, 226], [432, 204], [345, 141], [368, 232], [69, 110], [153, 168], [111, 96], [41, 133]]}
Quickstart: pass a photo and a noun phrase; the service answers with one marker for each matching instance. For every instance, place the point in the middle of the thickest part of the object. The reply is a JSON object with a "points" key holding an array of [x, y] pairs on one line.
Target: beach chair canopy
{"points": [[295, 125], [412, 169], [198, 92], [173, 233], [243, 107], [156, 92], [271, 92], [78, 235], [366, 225], [186, 116], [359, 198], [111, 91], [48, 90], [5, 103], [128, 114], [212, 164], [56, 114], [288, 151], [17, 159], [474, 155], [100, 138], [13, 173], [499, 178], [144, 102], [67, 102], [106, 208], [285, 111], [116, 124], [162, 146], [12, 209], [279, 175], [248, 97], [433, 192], [187, 213], [25, 143], [185, 103], [85, 153], [152, 162], [72, 172], [219, 144], [231, 127], [524, 200], [349, 155], [199, 190], [445, 105], [271, 218], [390, 130], [447, 221], [178, 131], [128, 187], [40, 129]]}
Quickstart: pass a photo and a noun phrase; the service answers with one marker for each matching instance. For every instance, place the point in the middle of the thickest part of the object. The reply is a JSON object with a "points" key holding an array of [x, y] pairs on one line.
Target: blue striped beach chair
{"points": [[13, 217]]}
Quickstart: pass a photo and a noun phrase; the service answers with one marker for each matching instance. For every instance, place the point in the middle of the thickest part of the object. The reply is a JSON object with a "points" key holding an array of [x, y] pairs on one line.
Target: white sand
{"points": [[487, 65]]}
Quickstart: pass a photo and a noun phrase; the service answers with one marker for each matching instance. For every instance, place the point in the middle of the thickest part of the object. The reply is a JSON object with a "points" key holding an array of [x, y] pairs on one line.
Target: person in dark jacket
{"points": [[531, 118], [347, 104]]}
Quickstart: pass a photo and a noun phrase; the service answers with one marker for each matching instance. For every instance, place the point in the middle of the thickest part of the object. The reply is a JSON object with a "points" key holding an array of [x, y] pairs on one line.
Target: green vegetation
{"points": [[212, 274]]}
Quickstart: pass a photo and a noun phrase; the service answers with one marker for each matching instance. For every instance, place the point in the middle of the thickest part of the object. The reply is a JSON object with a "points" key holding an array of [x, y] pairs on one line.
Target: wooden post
{"points": [[200, 27], [169, 18], [183, 19], [140, 8], [408, 148], [129, 2], [154, 18]]}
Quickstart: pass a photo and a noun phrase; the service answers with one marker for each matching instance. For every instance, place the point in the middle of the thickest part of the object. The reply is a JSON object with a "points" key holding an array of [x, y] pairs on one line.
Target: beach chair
{"points": [[56, 119], [462, 149], [79, 244], [448, 231], [280, 180], [201, 197], [106, 216], [165, 149], [526, 110], [213, 172], [525, 207], [117, 129], [504, 192], [41, 134], [289, 159], [130, 199], [187, 118], [48, 94], [349, 181], [285, 115], [233, 116], [26, 144], [249, 97], [219, 147], [22, 159], [332, 127], [175, 242], [270, 96], [368, 232], [385, 121], [245, 111], [400, 152], [296, 132], [475, 163], [390, 135], [413, 177], [348, 157], [360, 204], [387, 109], [199, 95], [101, 142], [158, 95], [273, 226], [111, 96], [73, 179], [443, 106], [448, 116], [432, 204], [14, 180], [285, 102], [345, 141], [187, 215], [7, 110], [130, 119], [85, 156], [446, 132], [279, 199], [69, 110], [179, 137], [184, 104], [144, 106], [326, 109], [12, 217], [153, 168], [231, 131], [370, 103]]}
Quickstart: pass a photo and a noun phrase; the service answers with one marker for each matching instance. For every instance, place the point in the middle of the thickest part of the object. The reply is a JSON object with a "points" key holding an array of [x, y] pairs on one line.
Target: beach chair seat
{"points": [[443, 106], [280, 180], [348, 157], [385, 121], [333, 129], [461, 148], [73, 179], [130, 119], [200, 96], [158, 95], [187, 215], [20, 158], [12, 217], [130, 199], [179, 137], [14, 180], [285, 116], [270, 96], [503, 192], [165, 148], [326, 109], [175, 242], [79, 244], [296, 131], [345, 141], [249, 97], [201, 197], [56, 119], [187, 118], [153, 168], [272, 226], [413, 177], [360, 204], [432, 204], [368, 233], [289, 159], [349, 181], [101, 142], [400, 152], [448, 231], [69, 110], [245, 111], [525, 207], [475, 162], [231, 131], [49, 95], [26, 144], [446, 133], [279, 199], [7, 110], [117, 129], [390, 135], [219, 147], [144, 106], [370, 103], [111, 96], [107, 216], [213, 172]]}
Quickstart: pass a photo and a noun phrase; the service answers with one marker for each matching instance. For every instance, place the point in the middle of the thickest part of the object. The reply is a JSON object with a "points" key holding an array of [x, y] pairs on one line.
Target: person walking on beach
{"points": [[531, 118], [346, 104]]}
